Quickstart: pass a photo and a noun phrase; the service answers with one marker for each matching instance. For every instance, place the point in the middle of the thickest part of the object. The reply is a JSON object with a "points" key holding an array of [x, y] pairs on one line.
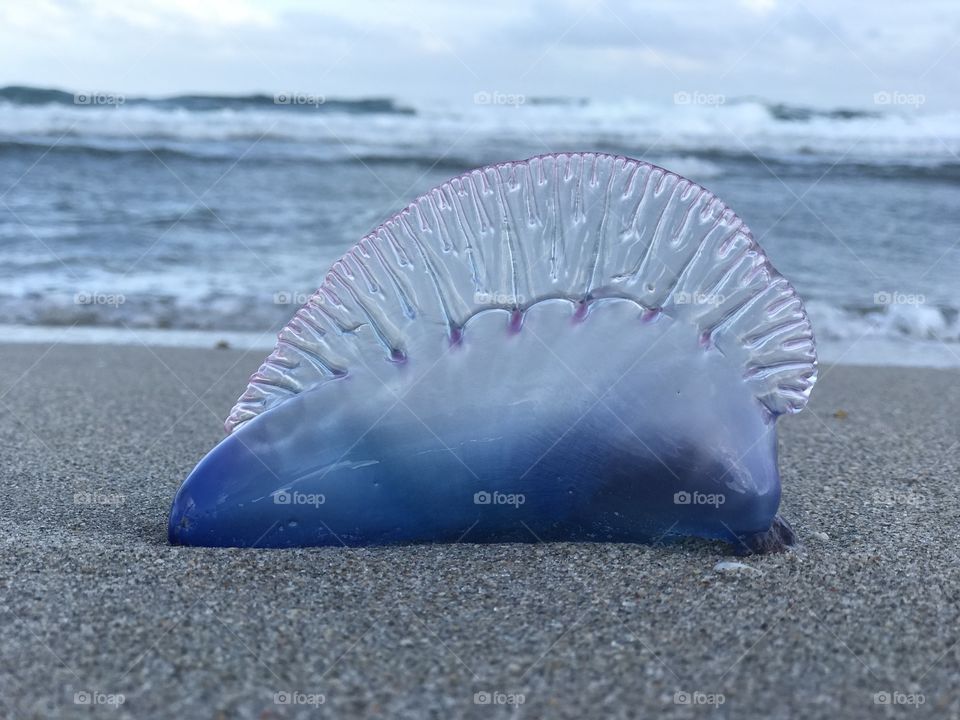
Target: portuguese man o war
{"points": [[574, 347]]}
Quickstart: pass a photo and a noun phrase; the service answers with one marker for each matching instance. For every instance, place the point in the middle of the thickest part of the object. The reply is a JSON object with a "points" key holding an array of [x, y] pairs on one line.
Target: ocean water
{"points": [[185, 220]]}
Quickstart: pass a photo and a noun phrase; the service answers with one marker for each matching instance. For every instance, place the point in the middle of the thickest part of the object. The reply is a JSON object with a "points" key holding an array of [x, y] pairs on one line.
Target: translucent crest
{"points": [[575, 226]]}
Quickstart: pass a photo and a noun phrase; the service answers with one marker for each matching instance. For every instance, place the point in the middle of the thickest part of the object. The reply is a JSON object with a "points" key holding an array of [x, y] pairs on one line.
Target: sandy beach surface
{"points": [[94, 440]]}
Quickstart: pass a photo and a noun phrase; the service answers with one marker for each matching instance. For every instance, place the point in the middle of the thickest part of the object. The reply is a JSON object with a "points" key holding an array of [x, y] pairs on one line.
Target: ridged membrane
{"points": [[578, 226]]}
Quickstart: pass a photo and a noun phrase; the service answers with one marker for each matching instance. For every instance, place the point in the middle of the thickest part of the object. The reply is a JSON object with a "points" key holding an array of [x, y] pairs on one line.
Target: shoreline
{"points": [[866, 351]]}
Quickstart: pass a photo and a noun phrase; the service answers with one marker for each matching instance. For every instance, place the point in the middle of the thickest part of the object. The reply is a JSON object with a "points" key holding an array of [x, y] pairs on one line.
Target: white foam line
{"points": [[885, 352], [139, 336], [868, 351]]}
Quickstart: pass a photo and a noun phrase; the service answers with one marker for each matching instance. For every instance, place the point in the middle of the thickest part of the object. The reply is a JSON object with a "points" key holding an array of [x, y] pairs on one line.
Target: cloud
{"points": [[761, 7], [824, 52]]}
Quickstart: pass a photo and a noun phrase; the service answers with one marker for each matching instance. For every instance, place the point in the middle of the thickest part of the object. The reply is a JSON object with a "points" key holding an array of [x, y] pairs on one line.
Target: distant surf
{"points": [[315, 128], [220, 214]]}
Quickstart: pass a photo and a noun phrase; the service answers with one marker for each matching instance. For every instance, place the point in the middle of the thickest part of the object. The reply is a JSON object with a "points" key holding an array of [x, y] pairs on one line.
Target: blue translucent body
{"points": [[570, 347], [518, 433]]}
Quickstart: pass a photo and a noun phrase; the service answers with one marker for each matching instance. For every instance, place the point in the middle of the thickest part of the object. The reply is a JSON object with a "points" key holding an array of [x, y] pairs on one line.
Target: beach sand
{"points": [[95, 440]]}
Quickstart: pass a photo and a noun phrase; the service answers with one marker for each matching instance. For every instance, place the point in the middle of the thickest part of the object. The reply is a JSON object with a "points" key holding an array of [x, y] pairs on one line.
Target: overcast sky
{"points": [[820, 52]]}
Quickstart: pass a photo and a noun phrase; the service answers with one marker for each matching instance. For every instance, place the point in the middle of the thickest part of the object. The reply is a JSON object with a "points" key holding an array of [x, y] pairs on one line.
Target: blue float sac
{"points": [[570, 348]]}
